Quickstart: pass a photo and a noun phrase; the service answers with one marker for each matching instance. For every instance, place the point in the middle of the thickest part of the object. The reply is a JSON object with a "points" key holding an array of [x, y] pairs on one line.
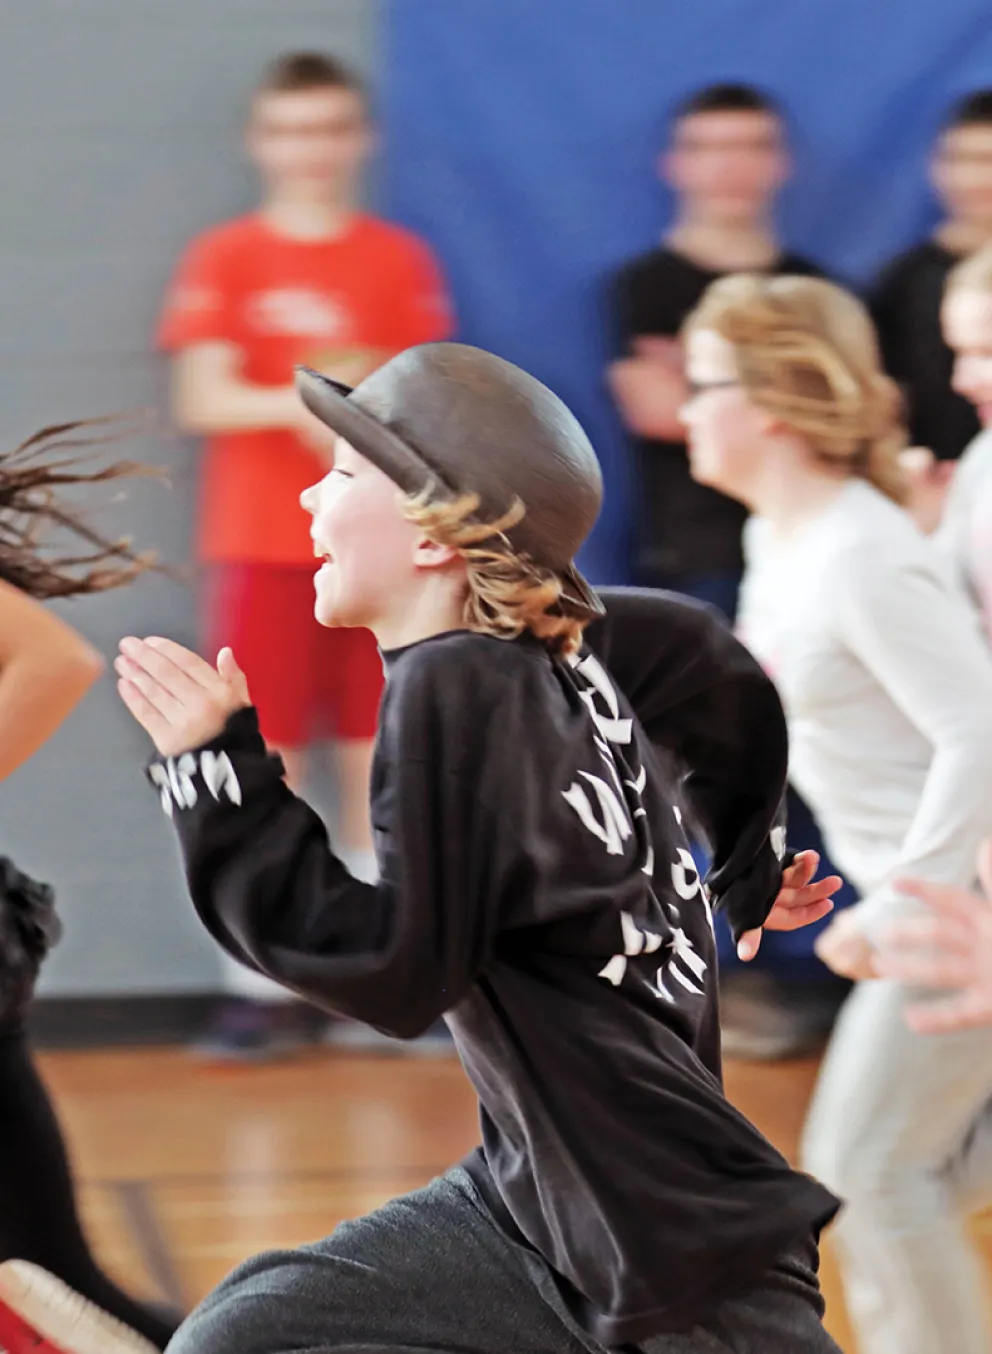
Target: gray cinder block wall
{"points": [[119, 138]]}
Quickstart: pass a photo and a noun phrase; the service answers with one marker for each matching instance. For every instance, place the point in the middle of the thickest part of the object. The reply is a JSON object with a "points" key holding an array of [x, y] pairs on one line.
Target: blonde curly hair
{"points": [[806, 351], [507, 592]]}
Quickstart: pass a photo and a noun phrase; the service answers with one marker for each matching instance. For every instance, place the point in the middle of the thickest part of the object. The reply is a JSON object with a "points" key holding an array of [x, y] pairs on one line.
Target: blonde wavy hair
{"points": [[972, 274], [806, 351], [507, 592]]}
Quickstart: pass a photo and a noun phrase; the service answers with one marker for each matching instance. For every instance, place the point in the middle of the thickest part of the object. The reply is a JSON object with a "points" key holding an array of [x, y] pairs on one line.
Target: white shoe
{"points": [[39, 1314]]}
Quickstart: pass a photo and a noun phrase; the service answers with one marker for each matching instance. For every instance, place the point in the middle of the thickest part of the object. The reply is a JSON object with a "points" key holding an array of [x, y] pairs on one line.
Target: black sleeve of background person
{"points": [[652, 297], [905, 306], [884, 302], [800, 266], [705, 702], [623, 289]]}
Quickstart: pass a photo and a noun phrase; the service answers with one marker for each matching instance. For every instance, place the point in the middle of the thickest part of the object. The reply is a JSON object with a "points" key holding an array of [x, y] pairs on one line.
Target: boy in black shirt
{"points": [[536, 888], [726, 162], [908, 296]]}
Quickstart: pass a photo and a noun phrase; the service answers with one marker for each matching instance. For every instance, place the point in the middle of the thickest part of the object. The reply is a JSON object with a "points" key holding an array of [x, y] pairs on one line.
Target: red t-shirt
{"points": [[282, 302]]}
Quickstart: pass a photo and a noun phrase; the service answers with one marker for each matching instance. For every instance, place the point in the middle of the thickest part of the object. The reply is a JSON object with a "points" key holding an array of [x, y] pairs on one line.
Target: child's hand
{"points": [[845, 948], [928, 482], [175, 695], [658, 349], [949, 948], [349, 366], [799, 903]]}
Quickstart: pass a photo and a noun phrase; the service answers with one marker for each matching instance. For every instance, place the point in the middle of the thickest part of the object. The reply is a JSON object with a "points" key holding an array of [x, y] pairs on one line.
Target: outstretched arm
{"points": [[46, 669], [921, 642], [264, 878]]}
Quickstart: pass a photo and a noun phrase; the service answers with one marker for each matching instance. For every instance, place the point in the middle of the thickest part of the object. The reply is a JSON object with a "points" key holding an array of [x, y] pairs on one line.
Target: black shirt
{"points": [[679, 526], [906, 308], [537, 888]]}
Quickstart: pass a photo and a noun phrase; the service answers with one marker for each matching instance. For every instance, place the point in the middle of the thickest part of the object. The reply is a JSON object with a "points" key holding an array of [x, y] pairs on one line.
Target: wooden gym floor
{"points": [[185, 1169]]}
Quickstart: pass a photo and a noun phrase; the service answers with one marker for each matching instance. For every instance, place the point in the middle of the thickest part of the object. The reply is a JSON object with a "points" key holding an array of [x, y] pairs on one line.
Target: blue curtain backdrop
{"points": [[520, 138]]}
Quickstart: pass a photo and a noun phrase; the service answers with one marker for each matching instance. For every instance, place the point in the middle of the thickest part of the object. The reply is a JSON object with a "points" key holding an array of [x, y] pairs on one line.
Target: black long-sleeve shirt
{"points": [[906, 306], [537, 888]]}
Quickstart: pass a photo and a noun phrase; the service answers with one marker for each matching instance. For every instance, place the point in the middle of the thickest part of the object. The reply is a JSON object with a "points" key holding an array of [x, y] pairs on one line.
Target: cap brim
{"points": [[329, 401]]}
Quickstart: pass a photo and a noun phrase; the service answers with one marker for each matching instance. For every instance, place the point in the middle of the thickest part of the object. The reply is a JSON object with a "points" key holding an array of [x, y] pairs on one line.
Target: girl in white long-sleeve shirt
{"points": [[887, 684], [965, 532]]}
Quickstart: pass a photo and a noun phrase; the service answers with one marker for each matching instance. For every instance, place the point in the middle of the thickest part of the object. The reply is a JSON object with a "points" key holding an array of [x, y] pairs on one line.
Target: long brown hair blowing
{"points": [[31, 509], [806, 352]]}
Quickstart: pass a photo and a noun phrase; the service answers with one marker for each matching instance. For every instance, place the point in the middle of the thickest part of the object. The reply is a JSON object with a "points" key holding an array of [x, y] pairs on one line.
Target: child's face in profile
{"points": [[367, 545], [724, 431], [967, 323]]}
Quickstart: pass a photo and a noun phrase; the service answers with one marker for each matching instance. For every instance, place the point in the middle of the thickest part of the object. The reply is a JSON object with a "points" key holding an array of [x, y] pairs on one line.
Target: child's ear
{"points": [[770, 425], [428, 554]]}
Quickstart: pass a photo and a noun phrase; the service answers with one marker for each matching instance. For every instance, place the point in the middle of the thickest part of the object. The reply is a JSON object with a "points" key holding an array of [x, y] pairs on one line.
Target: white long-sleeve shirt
{"points": [[887, 685]]}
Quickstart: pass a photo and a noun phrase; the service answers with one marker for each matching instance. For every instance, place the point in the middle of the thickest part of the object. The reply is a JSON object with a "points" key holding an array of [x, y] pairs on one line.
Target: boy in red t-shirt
{"points": [[307, 279]]}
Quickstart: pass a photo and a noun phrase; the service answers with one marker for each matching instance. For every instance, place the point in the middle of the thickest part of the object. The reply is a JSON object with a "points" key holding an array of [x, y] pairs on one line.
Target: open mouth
{"points": [[322, 554]]}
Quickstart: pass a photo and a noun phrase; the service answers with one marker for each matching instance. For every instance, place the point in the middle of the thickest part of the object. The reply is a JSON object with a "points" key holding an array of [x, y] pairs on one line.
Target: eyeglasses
{"points": [[694, 388]]}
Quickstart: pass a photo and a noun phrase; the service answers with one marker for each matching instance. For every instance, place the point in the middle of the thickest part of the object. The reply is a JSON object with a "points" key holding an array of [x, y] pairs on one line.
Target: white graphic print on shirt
{"points": [[299, 313], [175, 779], [621, 815]]}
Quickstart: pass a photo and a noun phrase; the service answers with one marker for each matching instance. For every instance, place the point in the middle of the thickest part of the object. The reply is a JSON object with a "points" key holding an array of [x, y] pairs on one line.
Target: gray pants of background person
{"points": [[432, 1272], [900, 1128]]}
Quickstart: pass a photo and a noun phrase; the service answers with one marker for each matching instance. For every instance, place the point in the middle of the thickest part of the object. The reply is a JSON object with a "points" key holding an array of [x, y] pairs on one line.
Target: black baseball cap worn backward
{"points": [[468, 422]]}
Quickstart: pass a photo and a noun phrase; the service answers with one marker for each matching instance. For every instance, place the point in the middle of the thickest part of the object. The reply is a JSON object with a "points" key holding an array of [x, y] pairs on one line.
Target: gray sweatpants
{"points": [[431, 1272], [900, 1128]]}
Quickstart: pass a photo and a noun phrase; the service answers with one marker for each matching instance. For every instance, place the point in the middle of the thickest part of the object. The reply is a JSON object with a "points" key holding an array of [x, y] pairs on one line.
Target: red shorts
{"points": [[306, 681]]}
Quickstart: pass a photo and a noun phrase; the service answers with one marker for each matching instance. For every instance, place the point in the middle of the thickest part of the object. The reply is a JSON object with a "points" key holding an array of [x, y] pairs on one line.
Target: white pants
{"points": [[901, 1130]]}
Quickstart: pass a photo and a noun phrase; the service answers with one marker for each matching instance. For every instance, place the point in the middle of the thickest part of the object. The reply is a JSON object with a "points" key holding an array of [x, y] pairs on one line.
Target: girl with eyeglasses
{"points": [[887, 686]]}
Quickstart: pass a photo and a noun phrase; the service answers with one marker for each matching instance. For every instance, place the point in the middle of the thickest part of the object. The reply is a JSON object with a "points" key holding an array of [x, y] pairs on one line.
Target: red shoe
{"points": [[39, 1314]]}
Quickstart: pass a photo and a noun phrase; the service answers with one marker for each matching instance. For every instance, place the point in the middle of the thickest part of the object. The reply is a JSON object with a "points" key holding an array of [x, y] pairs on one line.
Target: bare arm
{"points": [[210, 395], [46, 669], [920, 641], [649, 389]]}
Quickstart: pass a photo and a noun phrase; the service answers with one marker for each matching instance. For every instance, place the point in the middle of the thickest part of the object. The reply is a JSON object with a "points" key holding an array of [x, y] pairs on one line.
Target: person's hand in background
{"points": [[845, 947], [349, 366], [950, 949], [929, 481]]}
